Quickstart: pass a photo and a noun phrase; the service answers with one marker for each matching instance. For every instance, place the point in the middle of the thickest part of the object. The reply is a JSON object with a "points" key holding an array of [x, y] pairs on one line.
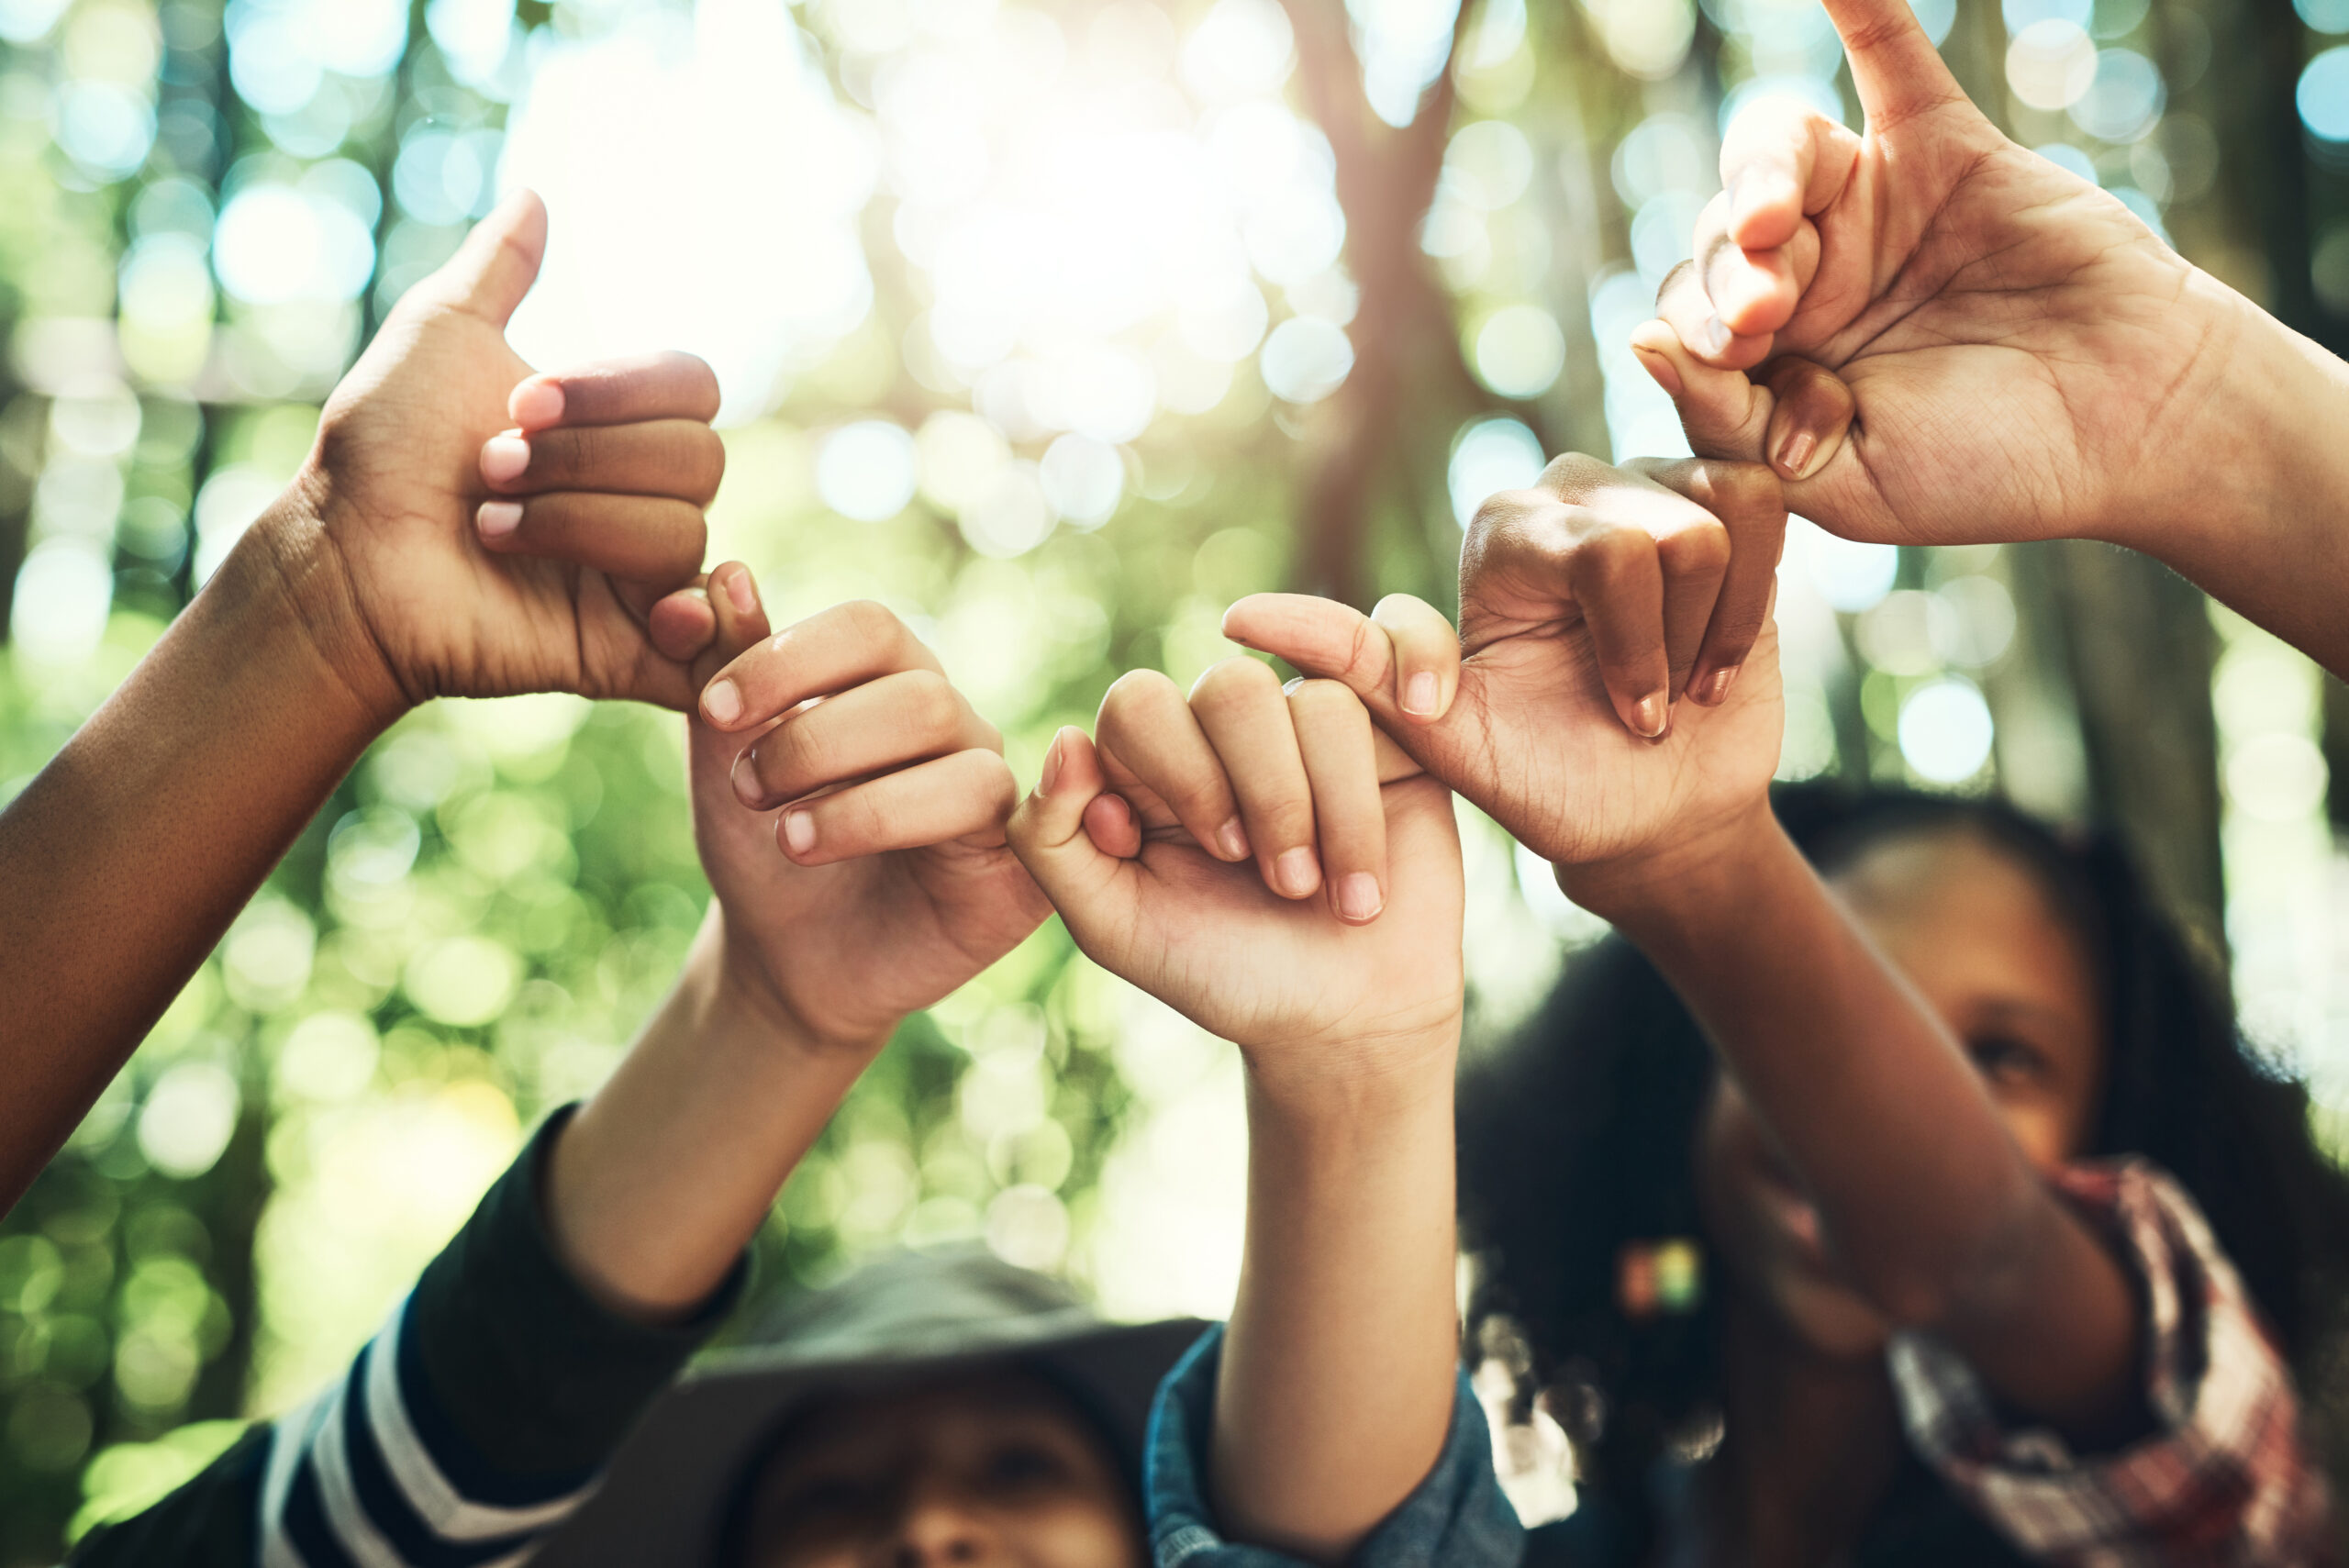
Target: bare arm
{"points": [[378, 580], [1334, 1395], [1936, 1211], [128, 855], [1336, 1386]]}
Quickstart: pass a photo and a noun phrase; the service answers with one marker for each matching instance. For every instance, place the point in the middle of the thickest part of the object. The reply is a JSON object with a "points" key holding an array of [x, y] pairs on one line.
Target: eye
{"points": [[2005, 1060], [828, 1500], [1016, 1467]]}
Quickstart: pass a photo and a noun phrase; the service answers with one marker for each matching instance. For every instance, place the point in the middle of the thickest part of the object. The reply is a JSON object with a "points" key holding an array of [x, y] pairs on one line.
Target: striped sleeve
{"points": [[473, 1424], [372, 1474], [479, 1417]]}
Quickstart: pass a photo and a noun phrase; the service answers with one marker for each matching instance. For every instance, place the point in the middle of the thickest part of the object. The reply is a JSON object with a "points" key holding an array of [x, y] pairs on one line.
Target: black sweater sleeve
{"points": [[474, 1423]]}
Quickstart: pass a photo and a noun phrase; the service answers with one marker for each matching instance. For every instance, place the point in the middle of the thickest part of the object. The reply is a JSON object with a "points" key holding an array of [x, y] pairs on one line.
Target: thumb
{"points": [[498, 261], [1048, 832]]}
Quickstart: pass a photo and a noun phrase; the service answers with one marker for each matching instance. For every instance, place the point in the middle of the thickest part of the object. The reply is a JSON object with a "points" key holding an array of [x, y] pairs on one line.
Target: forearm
{"points": [[2265, 527], [126, 859], [1925, 1196], [1336, 1386], [664, 1177]]}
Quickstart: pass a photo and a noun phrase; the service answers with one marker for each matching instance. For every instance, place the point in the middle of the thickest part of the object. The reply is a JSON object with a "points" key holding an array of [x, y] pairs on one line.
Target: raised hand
{"points": [[2028, 359], [438, 585], [1328, 975], [849, 806], [1586, 605]]}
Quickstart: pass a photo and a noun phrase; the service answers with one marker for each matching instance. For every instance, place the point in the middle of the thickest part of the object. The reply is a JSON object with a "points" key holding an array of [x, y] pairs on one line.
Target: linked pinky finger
{"points": [[656, 541], [969, 795]]}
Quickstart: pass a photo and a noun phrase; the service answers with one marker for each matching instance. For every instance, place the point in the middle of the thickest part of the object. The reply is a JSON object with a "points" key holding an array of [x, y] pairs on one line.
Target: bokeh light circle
{"points": [[1306, 358], [1487, 457], [2052, 64], [2323, 95], [2124, 98], [1520, 351], [865, 471], [1946, 731]]}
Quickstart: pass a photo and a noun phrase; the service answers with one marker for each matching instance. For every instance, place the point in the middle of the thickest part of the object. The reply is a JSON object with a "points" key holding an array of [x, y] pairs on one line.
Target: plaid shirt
{"points": [[2223, 1480]]}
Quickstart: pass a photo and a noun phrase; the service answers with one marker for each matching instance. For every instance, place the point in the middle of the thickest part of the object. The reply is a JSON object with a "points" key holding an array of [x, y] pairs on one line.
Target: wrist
{"points": [[289, 557], [1682, 877], [740, 989], [1357, 1085], [2263, 461]]}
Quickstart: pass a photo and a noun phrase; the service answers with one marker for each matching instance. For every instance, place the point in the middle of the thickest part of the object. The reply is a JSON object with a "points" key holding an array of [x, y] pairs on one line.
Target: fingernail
{"points": [[1052, 766], [745, 780], [1716, 686], [1294, 873], [1420, 694], [1713, 336], [534, 403], [1647, 715], [1232, 839], [722, 701], [1358, 896], [503, 459], [744, 594], [498, 518], [800, 831], [1795, 451]]}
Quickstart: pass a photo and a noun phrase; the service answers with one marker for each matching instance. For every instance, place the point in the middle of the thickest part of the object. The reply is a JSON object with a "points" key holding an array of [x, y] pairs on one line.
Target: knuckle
{"points": [[1609, 550], [1234, 680], [1136, 692], [1699, 549], [1744, 492], [869, 621], [933, 710], [1499, 512], [580, 449], [1323, 699], [1573, 473], [791, 759]]}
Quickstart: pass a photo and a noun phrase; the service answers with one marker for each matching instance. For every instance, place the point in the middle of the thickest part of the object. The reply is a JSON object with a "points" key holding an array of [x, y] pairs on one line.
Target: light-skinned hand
{"points": [[2026, 358], [854, 836], [1582, 602], [1328, 988]]}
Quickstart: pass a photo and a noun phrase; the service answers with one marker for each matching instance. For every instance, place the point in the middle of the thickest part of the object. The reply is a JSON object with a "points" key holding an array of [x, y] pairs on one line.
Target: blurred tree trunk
{"points": [[2139, 647], [1410, 385]]}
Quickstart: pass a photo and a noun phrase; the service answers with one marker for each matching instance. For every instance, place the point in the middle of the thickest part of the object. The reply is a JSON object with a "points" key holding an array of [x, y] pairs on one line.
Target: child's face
{"points": [[997, 1469], [1972, 929]]}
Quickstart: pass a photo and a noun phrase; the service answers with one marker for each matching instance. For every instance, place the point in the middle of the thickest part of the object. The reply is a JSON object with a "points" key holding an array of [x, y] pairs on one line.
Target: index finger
{"points": [[842, 647], [1898, 71], [668, 385]]}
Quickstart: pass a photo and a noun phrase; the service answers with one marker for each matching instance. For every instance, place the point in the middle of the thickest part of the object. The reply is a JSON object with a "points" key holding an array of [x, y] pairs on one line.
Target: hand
{"points": [[447, 589], [2028, 359], [848, 807], [1334, 988], [1581, 603]]}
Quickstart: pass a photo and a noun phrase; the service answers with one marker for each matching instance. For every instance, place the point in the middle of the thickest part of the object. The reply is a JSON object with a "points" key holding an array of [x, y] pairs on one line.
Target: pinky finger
{"points": [[644, 540], [966, 795]]}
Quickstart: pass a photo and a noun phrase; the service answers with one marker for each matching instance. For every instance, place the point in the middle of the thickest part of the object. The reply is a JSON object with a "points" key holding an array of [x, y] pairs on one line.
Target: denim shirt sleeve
{"points": [[1458, 1517]]}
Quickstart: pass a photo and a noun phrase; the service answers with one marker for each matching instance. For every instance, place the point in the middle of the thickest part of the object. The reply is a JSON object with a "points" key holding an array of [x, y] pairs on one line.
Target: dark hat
{"points": [[909, 1318]]}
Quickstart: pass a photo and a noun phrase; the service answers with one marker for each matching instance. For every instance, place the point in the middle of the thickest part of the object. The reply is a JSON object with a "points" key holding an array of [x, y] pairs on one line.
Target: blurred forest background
{"points": [[1056, 325]]}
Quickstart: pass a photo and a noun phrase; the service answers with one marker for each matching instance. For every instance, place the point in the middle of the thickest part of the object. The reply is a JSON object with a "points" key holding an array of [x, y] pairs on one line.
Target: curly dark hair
{"points": [[1577, 1138]]}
